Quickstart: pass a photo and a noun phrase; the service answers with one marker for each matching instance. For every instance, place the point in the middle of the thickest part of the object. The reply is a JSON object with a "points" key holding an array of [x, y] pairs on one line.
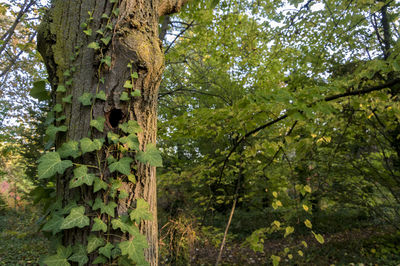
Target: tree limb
{"points": [[168, 7]]}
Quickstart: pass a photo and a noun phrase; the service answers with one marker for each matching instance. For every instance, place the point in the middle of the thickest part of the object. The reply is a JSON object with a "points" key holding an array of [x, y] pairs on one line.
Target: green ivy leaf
{"points": [[106, 40], [50, 164], [130, 127], [106, 250], [67, 99], [107, 60], [135, 249], [39, 91], [81, 177], [123, 166], [79, 255], [98, 123], [99, 225], [53, 225], [87, 145], [76, 218], [60, 259], [151, 156], [61, 88], [113, 137], [100, 260], [105, 208], [124, 96], [69, 149], [85, 99], [128, 84], [101, 95], [100, 31], [134, 75], [58, 108], [99, 184], [88, 32], [141, 212], [125, 227], [94, 45], [93, 243], [136, 93], [52, 130], [131, 141]]}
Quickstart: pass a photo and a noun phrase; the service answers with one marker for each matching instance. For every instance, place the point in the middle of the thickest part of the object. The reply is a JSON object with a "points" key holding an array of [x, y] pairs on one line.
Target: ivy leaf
{"points": [[87, 145], [136, 93], [50, 164], [288, 231], [67, 99], [319, 237], [93, 243], [57, 108], [106, 250], [100, 260], [94, 45], [135, 250], [134, 75], [60, 259], [107, 60], [69, 149], [151, 156], [52, 130], [99, 184], [128, 84], [81, 177], [124, 96], [85, 99], [130, 127], [88, 32], [125, 227], [106, 40], [113, 137], [54, 224], [105, 208], [99, 225], [123, 166], [141, 212], [101, 95], [76, 218], [61, 88], [98, 123], [131, 141], [79, 255]]}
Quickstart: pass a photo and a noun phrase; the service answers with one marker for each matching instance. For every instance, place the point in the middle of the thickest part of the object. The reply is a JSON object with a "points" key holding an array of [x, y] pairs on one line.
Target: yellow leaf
{"points": [[304, 243], [288, 231], [300, 253], [308, 223], [290, 256], [275, 194], [305, 207], [307, 188], [277, 223]]}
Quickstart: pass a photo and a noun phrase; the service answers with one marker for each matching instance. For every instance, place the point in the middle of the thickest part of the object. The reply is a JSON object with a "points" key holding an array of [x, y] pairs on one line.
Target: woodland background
{"points": [[283, 115]]}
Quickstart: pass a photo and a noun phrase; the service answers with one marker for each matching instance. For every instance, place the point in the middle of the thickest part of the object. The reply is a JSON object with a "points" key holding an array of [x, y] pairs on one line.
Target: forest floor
{"points": [[22, 244]]}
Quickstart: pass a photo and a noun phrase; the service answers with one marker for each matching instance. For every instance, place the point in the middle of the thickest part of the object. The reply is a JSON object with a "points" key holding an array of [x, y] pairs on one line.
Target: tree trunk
{"points": [[133, 47]]}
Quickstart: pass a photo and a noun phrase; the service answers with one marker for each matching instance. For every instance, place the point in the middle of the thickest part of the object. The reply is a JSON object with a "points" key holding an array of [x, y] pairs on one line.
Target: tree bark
{"points": [[134, 41]]}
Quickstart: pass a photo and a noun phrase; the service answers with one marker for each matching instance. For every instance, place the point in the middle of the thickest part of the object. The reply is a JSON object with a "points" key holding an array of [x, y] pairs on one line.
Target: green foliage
{"points": [[94, 243], [123, 166], [39, 91], [151, 156], [81, 176], [51, 164], [141, 212], [86, 99], [76, 218], [98, 123]]}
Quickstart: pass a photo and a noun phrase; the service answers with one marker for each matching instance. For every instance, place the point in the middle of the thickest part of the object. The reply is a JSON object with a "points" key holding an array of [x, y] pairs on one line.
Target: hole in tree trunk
{"points": [[115, 117]]}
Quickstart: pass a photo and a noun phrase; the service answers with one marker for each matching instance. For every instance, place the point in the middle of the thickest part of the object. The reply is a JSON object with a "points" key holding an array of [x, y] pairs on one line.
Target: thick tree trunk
{"points": [[134, 41]]}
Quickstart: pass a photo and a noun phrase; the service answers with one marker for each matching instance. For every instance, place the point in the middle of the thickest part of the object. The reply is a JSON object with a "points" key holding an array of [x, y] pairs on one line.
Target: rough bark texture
{"points": [[63, 45]]}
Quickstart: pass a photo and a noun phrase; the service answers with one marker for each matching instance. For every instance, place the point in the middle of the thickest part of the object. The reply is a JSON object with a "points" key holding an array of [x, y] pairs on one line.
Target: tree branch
{"points": [[168, 7]]}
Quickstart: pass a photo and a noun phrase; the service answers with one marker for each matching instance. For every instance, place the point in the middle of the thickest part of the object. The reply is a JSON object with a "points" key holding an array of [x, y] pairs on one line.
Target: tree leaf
{"points": [[128, 84], [113, 137], [93, 243], [105, 208], [100, 260], [79, 255], [134, 75], [130, 127], [101, 95], [308, 223], [39, 91], [61, 88], [125, 227], [288, 231], [99, 225], [52, 130], [319, 237], [50, 164], [136, 93], [98, 123], [69, 149], [135, 250], [60, 259], [53, 225], [123, 166], [58, 108], [87, 145], [124, 96], [131, 141], [106, 40], [94, 45], [86, 99], [151, 156], [99, 184], [67, 99], [81, 177], [106, 250], [76, 218], [141, 212]]}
